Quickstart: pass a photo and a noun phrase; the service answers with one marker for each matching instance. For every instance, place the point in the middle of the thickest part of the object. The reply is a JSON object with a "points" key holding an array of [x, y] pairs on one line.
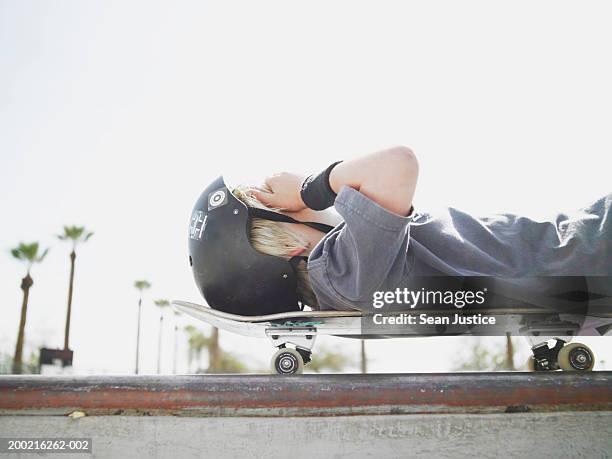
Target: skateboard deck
{"points": [[350, 323], [297, 323], [294, 333]]}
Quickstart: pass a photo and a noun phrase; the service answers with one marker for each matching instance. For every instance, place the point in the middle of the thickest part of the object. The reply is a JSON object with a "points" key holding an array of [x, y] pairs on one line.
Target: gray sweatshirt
{"points": [[377, 250]]}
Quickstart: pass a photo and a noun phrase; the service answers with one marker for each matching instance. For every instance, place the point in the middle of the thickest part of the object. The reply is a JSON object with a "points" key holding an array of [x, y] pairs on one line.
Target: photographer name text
{"points": [[426, 319]]}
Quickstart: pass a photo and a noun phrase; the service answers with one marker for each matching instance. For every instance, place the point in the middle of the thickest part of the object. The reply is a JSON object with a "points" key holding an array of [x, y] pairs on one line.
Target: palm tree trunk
{"points": [[175, 349], [70, 288], [509, 353], [364, 360], [26, 283], [138, 333], [214, 351], [198, 354], [159, 343]]}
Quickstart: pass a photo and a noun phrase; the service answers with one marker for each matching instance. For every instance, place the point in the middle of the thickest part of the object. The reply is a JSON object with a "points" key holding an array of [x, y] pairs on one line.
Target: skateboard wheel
{"points": [[576, 357], [287, 361]]}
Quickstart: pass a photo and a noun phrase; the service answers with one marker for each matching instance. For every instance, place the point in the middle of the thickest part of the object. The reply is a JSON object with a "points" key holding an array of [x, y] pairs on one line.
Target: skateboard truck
{"points": [[568, 357], [544, 357], [291, 360]]}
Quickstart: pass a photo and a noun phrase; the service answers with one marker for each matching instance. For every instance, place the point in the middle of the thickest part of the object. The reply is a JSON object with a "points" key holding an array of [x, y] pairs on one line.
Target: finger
{"points": [[273, 181], [253, 189], [264, 197]]}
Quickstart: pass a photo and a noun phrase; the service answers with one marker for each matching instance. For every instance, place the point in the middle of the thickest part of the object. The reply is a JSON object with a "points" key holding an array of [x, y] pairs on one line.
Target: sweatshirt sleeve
{"points": [[368, 252]]}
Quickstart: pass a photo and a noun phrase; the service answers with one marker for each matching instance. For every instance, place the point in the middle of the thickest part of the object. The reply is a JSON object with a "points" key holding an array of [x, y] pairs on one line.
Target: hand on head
{"points": [[281, 191]]}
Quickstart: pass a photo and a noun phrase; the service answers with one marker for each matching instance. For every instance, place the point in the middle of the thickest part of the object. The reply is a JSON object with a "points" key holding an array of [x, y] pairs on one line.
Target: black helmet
{"points": [[231, 275]]}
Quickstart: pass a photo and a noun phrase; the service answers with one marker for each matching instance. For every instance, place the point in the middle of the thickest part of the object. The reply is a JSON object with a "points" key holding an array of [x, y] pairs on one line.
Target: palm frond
{"points": [[75, 234], [28, 252], [42, 257], [162, 303], [142, 285]]}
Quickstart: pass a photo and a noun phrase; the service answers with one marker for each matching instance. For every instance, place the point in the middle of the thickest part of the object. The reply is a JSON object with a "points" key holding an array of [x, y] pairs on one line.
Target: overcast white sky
{"points": [[115, 115]]}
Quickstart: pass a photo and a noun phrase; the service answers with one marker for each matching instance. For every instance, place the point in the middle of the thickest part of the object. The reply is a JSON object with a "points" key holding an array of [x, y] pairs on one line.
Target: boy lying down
{"points": [[275, 249]]}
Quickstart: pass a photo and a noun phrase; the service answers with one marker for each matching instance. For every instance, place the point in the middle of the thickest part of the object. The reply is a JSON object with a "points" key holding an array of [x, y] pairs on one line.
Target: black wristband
{"points": [[316, 192]]}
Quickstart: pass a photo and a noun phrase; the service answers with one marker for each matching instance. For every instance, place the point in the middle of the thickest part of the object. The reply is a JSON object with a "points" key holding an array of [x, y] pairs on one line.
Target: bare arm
{"points": [[387, 177]]}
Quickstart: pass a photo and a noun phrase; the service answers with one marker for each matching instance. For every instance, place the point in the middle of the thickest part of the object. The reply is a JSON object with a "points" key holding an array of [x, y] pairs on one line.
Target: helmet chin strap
{"points": [[277, 217], [295, 261]]}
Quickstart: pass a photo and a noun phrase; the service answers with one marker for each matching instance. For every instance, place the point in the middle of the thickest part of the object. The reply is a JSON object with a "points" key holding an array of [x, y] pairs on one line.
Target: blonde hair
{"points": [[273, 238]]}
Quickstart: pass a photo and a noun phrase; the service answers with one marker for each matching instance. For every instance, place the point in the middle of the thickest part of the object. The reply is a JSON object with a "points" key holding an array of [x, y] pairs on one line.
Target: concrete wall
{"points": [[310, 416], [568, 434]]}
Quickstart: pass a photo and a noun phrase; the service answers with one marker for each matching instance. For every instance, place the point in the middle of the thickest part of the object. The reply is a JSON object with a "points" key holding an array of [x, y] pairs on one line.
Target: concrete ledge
{"points": [[529, 435], [307, 395]]}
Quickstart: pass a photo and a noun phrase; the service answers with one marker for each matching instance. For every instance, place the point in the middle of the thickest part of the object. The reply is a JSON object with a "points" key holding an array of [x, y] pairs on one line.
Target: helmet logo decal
{"points": [[217, 199], [198, 225]]}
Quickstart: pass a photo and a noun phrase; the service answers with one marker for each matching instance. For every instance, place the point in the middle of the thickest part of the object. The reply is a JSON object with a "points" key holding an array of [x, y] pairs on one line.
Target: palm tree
{"points": [[225, 363], [197, 343], [364, 359], [141, 285], [229, 363], [162, 304], [481, 356], [76, 235], [329, 360], [176, 314], [29, 254], [214, 352], [509, 353]]}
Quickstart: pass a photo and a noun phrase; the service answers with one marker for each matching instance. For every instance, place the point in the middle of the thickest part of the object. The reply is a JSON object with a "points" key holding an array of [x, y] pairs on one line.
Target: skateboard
{"points": [[293, 334]]}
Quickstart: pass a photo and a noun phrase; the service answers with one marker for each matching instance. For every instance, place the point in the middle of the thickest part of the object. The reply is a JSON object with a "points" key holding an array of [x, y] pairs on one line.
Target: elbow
{"points": [[404, 163], [390, 179], [403, 154]]}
